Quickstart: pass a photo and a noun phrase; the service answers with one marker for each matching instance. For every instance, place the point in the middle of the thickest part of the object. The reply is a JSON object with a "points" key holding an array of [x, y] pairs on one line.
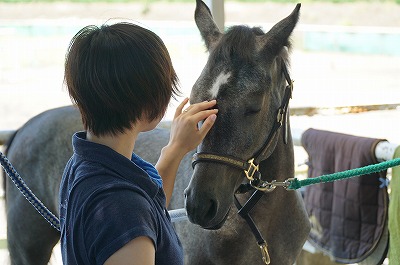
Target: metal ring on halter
{"points": [[263, 186], [270, 186]]}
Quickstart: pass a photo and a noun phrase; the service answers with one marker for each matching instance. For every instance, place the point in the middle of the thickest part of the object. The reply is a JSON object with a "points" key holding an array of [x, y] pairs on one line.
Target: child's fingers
{"points": [[180, 107]]}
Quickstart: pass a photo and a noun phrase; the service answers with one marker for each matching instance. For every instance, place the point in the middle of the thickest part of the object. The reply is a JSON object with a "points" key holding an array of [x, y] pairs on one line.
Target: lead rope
{"points": [[28, 194], [295, 183]]}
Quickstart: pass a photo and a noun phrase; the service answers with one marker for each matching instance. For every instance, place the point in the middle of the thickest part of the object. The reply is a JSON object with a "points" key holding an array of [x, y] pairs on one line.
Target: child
{"points": [[113, 203]]}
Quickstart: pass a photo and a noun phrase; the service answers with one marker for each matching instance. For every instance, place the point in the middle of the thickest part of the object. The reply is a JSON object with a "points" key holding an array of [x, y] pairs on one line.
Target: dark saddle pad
{"points": [[348, 217]]}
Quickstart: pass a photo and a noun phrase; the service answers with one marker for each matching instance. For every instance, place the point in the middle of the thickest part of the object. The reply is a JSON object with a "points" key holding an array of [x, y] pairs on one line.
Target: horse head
{"points": [[246, 74]]}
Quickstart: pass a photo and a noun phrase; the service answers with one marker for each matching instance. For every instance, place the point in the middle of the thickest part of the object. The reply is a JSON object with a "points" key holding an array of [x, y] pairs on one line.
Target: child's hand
{"points": [[185, 134]]}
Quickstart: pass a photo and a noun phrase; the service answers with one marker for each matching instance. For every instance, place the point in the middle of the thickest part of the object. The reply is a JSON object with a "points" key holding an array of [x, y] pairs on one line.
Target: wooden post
{"points": [[217, 10]]}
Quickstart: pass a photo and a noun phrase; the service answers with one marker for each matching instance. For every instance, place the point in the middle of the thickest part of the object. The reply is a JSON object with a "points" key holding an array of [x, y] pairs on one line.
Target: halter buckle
{"points": [[252, 169]]}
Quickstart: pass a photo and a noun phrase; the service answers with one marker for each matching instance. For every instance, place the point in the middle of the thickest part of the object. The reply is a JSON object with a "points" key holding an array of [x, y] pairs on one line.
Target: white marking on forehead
{"points": [[221, 79]]}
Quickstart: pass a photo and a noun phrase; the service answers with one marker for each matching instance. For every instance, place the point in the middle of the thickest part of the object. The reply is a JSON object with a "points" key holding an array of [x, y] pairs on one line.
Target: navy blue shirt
{"points": [[106, 200]]}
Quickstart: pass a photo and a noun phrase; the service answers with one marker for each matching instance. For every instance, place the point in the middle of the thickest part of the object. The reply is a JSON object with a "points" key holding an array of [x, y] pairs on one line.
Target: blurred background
{"points": [[345, 59], [345, 52]]}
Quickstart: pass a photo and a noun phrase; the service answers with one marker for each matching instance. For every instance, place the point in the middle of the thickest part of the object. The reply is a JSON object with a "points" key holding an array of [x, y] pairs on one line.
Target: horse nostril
{"points": [[201, 207], [212, 210]]}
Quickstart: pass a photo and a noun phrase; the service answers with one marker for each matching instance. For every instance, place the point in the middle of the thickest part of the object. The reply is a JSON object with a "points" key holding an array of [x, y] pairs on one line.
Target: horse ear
{"points": [[205, 23], [279, 35]]}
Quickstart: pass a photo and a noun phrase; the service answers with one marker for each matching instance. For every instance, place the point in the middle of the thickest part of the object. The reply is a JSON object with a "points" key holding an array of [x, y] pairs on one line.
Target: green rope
{"points": [[297, 184]]}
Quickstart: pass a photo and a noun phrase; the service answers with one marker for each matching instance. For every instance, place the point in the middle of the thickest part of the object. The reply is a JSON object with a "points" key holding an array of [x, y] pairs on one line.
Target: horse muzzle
{"points": [[204, 210]]}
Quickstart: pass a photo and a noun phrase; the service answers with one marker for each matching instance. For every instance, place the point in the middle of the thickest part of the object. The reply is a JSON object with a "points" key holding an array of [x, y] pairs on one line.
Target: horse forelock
{"points": [[235, 49], [237, 44], [238, 47]]}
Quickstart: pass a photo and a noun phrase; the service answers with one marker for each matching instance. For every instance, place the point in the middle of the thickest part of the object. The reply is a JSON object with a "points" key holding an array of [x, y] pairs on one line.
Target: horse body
{"points": [[39, 152], [244, 74]]}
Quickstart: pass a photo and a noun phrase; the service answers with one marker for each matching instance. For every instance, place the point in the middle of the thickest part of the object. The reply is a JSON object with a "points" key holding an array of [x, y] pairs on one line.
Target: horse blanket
{"points": [[348, 217]]}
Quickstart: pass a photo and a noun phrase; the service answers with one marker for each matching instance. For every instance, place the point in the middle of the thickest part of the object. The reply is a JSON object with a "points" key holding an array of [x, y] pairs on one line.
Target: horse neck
{"points": [[280, 164]]}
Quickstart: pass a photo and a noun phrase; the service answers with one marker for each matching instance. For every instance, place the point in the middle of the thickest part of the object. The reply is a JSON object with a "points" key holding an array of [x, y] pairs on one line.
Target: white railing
{"points": [[5, 135], [383, 151], [297, 111]]}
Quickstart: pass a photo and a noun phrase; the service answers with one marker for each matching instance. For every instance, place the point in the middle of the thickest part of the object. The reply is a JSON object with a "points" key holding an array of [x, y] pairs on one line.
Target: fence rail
{"points": [[297, 111], [5, 135], [383, 151]]}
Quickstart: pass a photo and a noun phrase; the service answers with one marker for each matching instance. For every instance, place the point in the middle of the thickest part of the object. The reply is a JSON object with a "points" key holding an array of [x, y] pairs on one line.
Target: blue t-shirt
{"points": [[106, 201]]}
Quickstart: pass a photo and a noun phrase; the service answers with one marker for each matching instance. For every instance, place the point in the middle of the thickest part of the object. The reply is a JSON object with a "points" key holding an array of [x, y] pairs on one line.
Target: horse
{"points": [[246, 72]]}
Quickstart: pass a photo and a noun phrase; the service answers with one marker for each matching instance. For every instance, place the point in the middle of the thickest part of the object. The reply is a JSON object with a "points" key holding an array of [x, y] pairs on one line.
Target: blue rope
{"points": [[28, 194]]}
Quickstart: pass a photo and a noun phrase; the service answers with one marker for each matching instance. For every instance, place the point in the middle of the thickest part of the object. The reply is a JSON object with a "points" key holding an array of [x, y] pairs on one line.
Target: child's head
{"points": [[119, 74]]}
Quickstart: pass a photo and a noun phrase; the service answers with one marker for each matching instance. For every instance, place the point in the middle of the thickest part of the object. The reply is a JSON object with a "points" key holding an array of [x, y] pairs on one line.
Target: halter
{"points": [[251, 167]]}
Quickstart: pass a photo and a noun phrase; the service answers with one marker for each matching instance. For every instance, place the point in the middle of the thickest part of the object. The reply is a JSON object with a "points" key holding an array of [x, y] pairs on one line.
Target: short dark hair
{"points": [[119, 74]]}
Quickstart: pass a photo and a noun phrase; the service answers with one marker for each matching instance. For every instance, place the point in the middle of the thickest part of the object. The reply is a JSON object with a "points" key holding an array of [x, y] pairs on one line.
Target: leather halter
{"points": [[251, 168]]}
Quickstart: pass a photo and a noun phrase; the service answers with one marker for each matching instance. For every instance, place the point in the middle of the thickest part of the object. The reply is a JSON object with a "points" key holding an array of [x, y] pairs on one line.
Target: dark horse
{"points": [[246, 73]]}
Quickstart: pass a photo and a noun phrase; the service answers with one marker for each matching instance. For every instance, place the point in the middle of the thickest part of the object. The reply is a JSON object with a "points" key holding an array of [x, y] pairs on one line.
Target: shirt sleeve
{"points": [[114, 218]]}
